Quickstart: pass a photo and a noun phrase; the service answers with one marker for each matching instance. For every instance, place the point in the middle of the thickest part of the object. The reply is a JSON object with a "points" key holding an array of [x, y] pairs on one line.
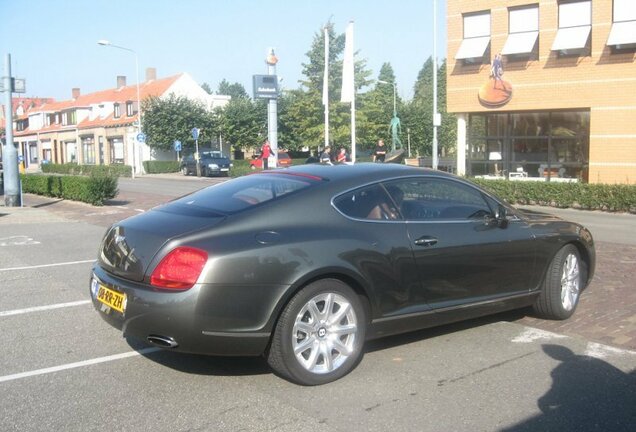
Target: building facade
{"points": [[544, 90], [99, 128]]}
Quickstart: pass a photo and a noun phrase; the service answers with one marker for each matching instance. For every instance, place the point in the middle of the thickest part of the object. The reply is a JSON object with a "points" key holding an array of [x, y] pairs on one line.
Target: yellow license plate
{"points": [[112, 298]]}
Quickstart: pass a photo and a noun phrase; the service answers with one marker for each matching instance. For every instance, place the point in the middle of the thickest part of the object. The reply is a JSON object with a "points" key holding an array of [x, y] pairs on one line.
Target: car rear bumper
{"points": [[176, 320]]}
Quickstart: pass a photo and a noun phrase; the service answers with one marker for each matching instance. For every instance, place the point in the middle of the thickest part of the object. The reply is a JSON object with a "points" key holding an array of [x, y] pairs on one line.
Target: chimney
{"points": [[76, 92], [151, 74], [121, 81]]}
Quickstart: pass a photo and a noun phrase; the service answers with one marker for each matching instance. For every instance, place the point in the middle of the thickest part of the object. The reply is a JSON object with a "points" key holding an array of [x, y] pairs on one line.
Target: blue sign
{"points": [[195, 133], [141, 137], [177, 145], [20, 158]]}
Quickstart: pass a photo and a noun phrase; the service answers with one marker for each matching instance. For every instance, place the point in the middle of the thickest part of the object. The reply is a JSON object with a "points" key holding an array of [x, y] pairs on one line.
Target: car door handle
{"points": [[426, 241]]}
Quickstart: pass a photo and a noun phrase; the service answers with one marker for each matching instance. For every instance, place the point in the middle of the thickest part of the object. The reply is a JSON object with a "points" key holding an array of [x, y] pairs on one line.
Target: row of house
{"points": [[97, 128]]}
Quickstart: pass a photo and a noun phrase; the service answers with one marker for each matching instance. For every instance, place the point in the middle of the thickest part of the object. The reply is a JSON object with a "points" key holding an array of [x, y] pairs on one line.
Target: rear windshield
{"points": [[245, 192]]}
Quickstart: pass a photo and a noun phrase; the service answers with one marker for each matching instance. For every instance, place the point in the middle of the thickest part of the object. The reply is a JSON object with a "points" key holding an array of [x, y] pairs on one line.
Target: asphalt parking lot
{"points": [[63, 368]]}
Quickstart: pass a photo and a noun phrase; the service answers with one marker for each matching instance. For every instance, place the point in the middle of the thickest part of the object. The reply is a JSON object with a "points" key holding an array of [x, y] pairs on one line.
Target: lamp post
{"points": [[105, 42]]}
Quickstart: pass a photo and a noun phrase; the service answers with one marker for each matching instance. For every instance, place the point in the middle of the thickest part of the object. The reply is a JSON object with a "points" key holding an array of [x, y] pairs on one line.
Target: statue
{"points": [[396, 129]]}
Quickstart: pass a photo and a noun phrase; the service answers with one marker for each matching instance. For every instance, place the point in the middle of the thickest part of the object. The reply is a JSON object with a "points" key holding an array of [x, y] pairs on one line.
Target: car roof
{"points": [[363, 172]]}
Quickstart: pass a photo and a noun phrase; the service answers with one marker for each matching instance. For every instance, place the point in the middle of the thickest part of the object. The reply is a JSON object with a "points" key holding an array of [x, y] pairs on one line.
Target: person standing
{"points": [[342, 156], [380, 152], [496, 71], [325, 156], [266, 151]]}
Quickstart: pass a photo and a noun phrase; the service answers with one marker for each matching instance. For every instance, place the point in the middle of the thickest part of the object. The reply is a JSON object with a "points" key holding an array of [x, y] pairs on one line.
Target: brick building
{"points": [[544, 90]]}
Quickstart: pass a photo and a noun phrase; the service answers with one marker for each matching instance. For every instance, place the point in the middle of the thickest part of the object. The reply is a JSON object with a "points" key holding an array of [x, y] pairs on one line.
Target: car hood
{"points": [[129, 246]]}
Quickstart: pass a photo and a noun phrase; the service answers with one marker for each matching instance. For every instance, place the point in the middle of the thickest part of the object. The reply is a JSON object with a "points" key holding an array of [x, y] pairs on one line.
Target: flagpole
{"points": [[348, 84], [325, 86]]}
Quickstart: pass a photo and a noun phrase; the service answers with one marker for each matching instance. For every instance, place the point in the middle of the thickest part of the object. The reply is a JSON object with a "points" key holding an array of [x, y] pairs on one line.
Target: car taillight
{"points": [[180, 269]]}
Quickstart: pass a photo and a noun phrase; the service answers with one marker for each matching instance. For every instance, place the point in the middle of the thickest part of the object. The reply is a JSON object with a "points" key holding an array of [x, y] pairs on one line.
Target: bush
{"points": [[614, 198], [93, 189], [75, 169], [158, 167]]}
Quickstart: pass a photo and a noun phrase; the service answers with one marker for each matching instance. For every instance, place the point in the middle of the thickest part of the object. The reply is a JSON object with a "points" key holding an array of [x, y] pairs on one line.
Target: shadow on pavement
{"points": [[587, 394]]}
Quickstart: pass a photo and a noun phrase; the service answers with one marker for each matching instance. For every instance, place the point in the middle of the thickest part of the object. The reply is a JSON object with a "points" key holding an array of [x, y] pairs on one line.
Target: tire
{"points": [[562, 285], [184, 171], [313, 343]]}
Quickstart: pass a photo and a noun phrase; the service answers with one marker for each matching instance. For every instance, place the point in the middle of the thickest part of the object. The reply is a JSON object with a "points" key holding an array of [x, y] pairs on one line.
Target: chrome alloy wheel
{"points": [[324, 333], [570, 282]]}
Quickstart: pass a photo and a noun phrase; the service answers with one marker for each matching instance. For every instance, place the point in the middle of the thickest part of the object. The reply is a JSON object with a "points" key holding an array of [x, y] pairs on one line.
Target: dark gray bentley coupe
{"points": [[303, 265]]}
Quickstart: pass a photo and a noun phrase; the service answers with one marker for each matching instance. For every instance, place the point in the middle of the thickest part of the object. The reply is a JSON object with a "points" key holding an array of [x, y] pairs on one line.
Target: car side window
{"points": [[370, 202], [436, 199]]}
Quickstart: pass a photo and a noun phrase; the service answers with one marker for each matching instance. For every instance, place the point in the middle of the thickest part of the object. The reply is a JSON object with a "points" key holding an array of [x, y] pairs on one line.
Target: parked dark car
{"points": [[303, 265], [284, 161], [211, 163]]}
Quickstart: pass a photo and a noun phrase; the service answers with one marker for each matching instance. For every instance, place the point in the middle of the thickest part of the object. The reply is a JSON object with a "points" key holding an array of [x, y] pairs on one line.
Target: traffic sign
{"points": [[141, 137], [177, 145], [195, 133]]}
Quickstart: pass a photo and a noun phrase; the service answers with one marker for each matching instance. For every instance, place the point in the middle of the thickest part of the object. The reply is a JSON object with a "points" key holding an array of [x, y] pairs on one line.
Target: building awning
{"points": [[570, 38], [622, 33], [472, 48], [520, 43]]}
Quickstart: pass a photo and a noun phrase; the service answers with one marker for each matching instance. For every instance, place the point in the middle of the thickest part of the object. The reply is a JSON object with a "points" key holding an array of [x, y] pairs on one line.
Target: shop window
{"points": [[575, 26], [476, 43], [523, 33], [623, 33]]}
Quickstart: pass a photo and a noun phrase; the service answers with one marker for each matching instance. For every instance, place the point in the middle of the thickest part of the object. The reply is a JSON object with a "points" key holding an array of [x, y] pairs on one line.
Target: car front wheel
{"points": [[320, 334], [562, 286]]}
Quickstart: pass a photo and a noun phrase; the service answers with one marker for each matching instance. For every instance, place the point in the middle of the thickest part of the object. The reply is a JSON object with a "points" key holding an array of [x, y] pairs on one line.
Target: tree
{"points": [[170, 119], [205, 86], [236, 90], [243, 123], [419, 112]]}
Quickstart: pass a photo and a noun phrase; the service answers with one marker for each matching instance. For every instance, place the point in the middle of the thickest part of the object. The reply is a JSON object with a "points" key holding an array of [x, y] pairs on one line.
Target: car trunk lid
{"points": [[130, 245]]}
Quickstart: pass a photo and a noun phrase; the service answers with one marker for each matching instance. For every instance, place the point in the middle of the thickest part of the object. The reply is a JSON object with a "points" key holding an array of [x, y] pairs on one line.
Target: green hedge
{"points": [[158, 167], [614, 198], [93, 189], [75, 169]]}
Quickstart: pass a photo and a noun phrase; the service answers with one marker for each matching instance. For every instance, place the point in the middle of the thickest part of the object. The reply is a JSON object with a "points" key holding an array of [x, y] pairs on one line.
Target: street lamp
{"points": [[105, 42]]}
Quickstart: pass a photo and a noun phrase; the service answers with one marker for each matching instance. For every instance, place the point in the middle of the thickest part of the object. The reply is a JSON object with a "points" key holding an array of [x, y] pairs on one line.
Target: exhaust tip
{"points": [[162, 341]]}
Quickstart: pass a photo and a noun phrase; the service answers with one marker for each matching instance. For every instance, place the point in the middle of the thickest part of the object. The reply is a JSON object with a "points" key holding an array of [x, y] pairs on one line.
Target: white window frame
{"points": [[523, 30], [575, 26], [477, 30]]}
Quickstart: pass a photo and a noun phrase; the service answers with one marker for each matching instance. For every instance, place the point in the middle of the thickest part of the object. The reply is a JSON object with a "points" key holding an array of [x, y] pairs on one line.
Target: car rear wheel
{"points": [[320, 334], [562, 285]]}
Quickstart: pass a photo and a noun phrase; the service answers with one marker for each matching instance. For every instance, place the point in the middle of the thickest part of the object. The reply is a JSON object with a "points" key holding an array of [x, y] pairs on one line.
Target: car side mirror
{"points": [[501, 217]]}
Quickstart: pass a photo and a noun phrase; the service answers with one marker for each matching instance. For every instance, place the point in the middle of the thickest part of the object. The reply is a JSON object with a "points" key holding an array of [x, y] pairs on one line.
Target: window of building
{"points": [[117, 110], [523, 32], [551, 146], [129, 109], [474, 46], [623, 33], [575, 26], [88, 150], [116, 150]]}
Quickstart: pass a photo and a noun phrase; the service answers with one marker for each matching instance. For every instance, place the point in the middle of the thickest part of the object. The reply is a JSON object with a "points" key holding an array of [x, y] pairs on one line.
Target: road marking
{"points": [[47, 265], [77, 364], [601, 351], [140, 210], [21, 240], [43, 308], [530, 334]]}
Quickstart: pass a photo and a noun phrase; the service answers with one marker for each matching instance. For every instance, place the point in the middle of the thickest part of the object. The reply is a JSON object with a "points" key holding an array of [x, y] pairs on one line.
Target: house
{"points": [[99, 128]]}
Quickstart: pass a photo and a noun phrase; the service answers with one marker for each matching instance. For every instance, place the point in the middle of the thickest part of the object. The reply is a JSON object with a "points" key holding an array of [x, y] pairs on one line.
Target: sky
{"points": [[53, 44]]}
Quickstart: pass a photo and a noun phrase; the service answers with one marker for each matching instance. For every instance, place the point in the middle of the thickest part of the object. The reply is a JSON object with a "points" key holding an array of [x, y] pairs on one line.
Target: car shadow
{"points": [[201, 364]]}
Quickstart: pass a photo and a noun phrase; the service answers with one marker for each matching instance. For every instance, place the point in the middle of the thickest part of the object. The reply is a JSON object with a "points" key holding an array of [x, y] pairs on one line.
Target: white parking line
{"points": [[47, 265], [43, 308], [77, 364]]}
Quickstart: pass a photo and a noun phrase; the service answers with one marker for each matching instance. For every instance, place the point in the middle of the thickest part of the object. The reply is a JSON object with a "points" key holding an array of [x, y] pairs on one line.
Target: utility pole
{"points": [[12, 196], [272, 109]]}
